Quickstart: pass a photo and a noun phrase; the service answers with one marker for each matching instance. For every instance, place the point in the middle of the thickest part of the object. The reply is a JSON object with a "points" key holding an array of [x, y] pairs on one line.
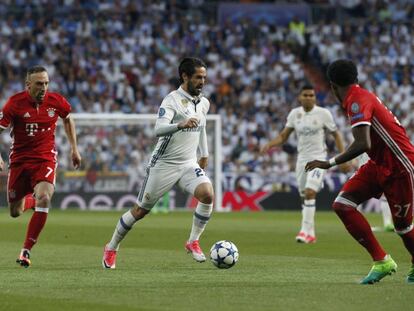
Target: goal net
{"points": [[115, 150]]}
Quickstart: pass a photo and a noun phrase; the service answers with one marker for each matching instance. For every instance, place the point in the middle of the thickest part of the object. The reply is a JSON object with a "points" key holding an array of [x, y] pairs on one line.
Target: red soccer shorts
{"points": [[23, 177], [370, 181]]}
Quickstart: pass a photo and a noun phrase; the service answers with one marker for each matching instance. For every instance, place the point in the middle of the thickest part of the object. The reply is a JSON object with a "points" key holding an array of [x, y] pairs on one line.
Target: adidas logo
{"points": [[26, 115]]}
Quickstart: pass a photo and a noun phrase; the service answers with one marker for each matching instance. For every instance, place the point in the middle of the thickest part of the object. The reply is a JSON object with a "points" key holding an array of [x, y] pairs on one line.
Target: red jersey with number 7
{"points": [[33, 125], [390, 145]]}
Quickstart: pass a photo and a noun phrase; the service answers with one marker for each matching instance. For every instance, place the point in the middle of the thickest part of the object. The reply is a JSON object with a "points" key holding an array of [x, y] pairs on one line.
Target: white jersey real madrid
{"points": [[180, 147], [310, 131]]}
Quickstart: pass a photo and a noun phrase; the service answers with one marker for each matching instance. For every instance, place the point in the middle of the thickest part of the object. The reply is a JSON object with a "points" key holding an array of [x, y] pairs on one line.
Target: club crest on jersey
{"points": [[355, 107], [147, 196], [299, 115], [161, 112], [51, 112], [185, 102]]}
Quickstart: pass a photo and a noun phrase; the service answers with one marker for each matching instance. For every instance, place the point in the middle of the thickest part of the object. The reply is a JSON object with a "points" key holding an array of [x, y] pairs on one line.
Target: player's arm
{"points": [[279, 140], [164, 127], [1, 159], [339, 142], [203, 147], [166, 113], [70, 129], [361, 144]]}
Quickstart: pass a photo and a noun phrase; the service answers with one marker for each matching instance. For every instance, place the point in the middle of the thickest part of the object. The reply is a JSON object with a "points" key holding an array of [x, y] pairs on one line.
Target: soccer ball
{"points": [[224, 254]]}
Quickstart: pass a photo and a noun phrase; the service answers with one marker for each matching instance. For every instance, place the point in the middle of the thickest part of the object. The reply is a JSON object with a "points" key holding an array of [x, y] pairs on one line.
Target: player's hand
{"points": [[1, 164], [203, 162], [76, 159], [317, 164], [189, 123], [265, 148]]}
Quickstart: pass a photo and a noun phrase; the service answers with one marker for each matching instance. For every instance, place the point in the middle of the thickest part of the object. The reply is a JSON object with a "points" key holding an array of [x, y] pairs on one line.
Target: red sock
{"points": [[34, 228], [359, 228], [29, 202], [408, 240]]}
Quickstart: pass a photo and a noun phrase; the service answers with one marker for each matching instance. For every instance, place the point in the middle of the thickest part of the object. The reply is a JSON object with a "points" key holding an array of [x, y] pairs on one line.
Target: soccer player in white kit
{"points": [[181, 128], [309, 122]]}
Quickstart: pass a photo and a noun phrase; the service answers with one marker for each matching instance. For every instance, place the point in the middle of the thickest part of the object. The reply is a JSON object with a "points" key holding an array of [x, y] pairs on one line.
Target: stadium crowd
{"points": [[121, 56]]}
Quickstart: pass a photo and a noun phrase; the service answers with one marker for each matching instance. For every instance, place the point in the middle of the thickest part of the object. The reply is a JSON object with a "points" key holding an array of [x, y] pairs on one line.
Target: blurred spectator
{"points": [[119, 56]]}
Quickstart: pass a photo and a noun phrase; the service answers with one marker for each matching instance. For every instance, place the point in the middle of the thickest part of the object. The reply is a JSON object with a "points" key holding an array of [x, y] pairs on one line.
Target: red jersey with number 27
{"points": [[390, 145], [32, 126]]}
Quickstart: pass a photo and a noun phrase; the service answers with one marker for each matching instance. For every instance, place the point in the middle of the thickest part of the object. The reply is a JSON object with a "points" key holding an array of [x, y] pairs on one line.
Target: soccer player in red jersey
{"points": [[32, 116], [390, 169]]}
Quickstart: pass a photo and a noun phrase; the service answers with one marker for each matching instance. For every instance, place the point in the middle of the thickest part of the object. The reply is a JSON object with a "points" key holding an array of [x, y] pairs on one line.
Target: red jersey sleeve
{"points": [[6, 115], [360, 111], [64, 108]]}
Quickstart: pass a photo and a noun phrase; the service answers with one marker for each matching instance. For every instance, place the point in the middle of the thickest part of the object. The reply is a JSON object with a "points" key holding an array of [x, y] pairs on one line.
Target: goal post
{"points": [[146, 122]]}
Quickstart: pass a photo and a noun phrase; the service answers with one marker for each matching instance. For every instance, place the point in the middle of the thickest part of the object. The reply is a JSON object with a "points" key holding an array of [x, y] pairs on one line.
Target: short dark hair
{"points": [[342, 72], [306, 87], [188, 66], [35, 69]]}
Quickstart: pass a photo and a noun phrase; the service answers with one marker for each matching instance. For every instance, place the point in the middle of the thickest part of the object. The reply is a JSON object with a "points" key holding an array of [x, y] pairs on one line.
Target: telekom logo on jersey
{"points": [[31, 128]]}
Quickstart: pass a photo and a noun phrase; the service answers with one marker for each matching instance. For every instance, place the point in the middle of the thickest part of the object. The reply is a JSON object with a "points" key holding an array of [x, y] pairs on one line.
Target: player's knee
{"points": [[204, 193], [206, 197], [309, 194], [43, 199], [339, 207]]}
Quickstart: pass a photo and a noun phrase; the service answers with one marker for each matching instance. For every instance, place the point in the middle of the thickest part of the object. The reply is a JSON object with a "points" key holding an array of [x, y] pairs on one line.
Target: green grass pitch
{"points": [[154, 272]]}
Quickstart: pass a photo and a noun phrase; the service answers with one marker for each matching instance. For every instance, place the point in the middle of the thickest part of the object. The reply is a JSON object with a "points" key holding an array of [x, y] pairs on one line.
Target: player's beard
{"points": [[192, 90]]}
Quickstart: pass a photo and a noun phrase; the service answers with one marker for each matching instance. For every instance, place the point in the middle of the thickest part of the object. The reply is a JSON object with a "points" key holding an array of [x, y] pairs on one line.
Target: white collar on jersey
{"points": [[195, 99]]}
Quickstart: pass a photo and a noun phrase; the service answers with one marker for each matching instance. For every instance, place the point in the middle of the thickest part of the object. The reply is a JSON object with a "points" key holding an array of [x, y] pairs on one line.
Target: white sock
{"points": [[123, 226], [200, 219], [308, 217], [386, 212]]}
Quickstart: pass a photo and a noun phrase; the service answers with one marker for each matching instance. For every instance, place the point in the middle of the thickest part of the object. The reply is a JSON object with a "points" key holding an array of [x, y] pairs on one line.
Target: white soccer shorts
{"points": [[311, 180], [159, 181]]}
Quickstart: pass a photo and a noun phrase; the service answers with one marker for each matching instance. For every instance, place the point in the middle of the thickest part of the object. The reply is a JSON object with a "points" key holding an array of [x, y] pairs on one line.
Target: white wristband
{"points": [[332, 161]]}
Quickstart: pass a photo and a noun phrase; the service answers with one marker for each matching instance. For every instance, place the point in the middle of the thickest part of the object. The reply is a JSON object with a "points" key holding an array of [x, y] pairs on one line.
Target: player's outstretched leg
{"points": [[202, 213], [200, 219], [379, 270], [307, 232], [122, 228]]}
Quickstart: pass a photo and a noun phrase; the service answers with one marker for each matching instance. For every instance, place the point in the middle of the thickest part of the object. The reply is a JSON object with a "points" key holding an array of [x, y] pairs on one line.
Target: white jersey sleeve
{"points": [[291, 119], [328, 121], [164, 125], [167, 109]]}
